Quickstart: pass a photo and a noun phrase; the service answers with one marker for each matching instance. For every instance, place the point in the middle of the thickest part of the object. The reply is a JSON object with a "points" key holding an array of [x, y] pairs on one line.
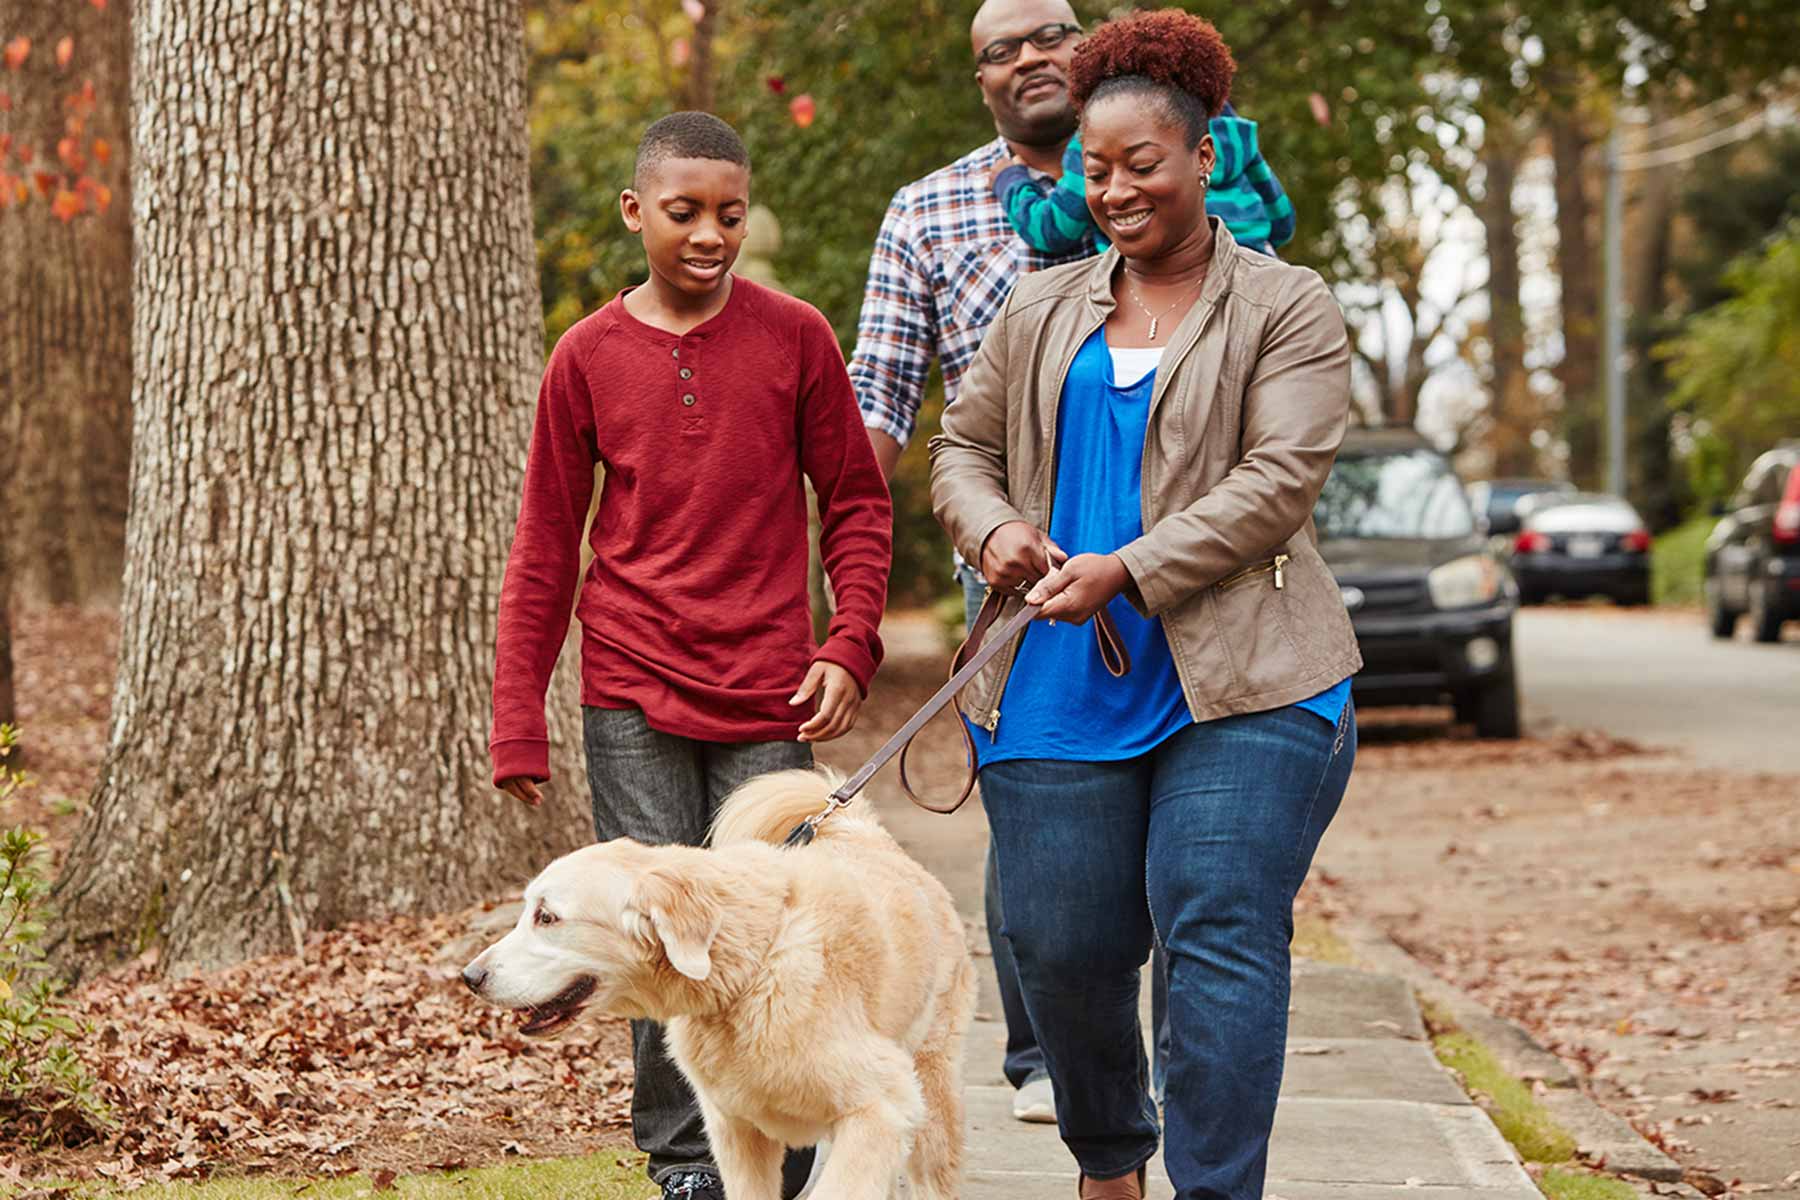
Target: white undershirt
{"points": [[1132, 363]]}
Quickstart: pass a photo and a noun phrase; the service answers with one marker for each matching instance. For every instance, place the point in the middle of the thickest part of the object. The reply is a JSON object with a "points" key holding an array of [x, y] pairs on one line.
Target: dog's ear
{"points": [[684, 919]]}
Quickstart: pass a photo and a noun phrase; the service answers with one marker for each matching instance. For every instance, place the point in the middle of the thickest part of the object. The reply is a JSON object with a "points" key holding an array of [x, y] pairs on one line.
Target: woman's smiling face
{"points": [[1144, 185]]}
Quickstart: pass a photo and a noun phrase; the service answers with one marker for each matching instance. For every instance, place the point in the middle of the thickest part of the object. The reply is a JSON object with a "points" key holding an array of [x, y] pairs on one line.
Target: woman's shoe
{"points": [[1125, 1187]]}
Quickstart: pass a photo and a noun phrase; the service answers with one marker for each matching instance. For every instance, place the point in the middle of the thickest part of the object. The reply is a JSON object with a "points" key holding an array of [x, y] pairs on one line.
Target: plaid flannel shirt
{"points": [[945, 260]]}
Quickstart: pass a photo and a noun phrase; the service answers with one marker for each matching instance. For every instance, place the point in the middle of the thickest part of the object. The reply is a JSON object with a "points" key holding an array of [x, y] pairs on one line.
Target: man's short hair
{"points": [[688, 135]]}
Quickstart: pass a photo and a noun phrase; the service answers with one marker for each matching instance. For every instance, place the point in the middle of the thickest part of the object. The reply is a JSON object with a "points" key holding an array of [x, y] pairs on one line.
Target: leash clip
{"points": [[803, 833]]}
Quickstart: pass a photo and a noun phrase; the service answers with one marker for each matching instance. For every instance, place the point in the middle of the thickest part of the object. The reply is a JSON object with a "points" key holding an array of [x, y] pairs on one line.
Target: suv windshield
{"points": [[1405, 494]]}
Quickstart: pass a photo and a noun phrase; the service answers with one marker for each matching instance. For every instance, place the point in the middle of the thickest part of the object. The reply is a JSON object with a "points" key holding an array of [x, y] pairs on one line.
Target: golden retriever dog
{"points": [[815, 993]]}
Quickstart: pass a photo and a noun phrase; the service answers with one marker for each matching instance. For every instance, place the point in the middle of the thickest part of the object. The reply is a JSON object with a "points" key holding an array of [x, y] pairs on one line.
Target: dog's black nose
{"points": [[474, 976]]}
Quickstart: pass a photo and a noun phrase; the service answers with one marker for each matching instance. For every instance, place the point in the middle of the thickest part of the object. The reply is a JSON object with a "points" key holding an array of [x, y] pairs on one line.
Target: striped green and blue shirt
{"points": [[1242, 192]]}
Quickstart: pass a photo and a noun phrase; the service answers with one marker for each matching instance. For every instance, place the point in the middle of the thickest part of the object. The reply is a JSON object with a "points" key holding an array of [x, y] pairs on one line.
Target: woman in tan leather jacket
{"points": [[1147, 432]]}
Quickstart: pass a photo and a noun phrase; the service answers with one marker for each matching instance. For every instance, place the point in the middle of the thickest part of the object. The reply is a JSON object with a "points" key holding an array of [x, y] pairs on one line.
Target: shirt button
{"points": [[688, 399], [675, 353], [687, 372]]}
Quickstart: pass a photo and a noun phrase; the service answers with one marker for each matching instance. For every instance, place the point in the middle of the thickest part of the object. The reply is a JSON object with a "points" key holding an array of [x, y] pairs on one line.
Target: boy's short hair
{"points": [[688, 135]]}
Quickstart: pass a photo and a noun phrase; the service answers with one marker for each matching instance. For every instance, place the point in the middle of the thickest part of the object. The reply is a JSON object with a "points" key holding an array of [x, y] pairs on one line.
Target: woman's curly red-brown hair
{"points": [[1169, 47]]}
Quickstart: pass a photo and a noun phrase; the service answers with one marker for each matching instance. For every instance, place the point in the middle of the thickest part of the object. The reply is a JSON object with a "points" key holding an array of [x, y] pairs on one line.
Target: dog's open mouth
{"points": [[557, 1011]]}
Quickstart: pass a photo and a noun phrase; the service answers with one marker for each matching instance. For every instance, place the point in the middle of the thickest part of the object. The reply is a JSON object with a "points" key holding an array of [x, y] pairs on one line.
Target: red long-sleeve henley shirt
{"points": [[694, 608]]}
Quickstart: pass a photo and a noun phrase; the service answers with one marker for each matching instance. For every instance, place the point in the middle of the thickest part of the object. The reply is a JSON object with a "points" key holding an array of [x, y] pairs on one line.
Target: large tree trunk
{"points": [[67, 335], [337, 344], [1512, 409], [1578, 269]]}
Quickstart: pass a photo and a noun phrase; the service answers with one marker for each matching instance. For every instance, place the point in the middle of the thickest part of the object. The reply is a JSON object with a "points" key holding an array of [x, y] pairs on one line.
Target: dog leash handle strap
{"points": [[968, 665]]}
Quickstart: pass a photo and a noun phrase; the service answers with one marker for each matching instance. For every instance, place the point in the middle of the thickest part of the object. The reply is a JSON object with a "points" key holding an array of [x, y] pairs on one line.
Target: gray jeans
{"points": [[661, 789]]}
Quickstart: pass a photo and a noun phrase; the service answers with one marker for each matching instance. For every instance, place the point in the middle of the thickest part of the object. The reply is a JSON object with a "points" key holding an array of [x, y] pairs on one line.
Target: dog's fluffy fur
{"points": [[812, 993]]}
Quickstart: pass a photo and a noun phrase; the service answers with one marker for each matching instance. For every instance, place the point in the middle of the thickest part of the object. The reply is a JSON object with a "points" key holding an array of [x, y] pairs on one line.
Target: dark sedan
{"points": [[1753, 555], [1433, 609], [1580, 545]]}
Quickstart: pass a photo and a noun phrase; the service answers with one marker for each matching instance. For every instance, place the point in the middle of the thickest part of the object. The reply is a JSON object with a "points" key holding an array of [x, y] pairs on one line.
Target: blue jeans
{"points": [[1216, 827], [1024, 1062], [665, 790]]}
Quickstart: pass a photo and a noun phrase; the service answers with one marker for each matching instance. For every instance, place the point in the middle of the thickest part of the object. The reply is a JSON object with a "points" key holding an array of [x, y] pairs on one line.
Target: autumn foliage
{"points": [[53, 165]]}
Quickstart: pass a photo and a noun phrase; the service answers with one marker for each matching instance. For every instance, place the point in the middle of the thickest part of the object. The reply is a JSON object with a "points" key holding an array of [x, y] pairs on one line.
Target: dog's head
{"points": [[603, 927]]}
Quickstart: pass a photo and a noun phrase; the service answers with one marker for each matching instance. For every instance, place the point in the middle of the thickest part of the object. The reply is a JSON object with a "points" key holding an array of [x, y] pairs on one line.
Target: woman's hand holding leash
{"points": [[1080, 587], [1018, 552]]}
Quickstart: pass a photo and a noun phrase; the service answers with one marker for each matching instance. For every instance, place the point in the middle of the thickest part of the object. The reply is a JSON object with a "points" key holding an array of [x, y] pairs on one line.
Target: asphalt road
{"points": [[1660, 678]]}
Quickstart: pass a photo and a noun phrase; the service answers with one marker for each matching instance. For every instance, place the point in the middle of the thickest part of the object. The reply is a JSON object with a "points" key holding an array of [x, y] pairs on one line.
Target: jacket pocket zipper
{"points": [[1278, 565]]}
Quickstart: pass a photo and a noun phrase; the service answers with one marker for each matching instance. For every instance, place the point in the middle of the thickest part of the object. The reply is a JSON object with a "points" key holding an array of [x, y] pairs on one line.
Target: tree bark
{"points": [[1577, 263], [67, 337], [337, 341], [1511, 404]]}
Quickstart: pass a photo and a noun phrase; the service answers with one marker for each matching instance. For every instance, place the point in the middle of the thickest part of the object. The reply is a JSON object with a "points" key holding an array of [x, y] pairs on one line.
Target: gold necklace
{"points": [[1155, 317]]}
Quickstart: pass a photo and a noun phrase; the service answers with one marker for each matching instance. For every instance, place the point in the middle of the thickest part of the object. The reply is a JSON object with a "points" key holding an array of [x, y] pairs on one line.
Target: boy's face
{"points": [[693, 214]]}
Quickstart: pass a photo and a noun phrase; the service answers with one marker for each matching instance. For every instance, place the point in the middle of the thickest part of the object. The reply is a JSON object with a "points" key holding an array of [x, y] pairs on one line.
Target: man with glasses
{"points": [[945, 260]]}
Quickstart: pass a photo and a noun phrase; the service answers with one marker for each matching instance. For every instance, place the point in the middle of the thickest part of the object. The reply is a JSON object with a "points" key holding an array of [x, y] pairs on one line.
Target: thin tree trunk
{"points": [[1511, 409], [1655, 483], [1577, 263], [68, 286], [337, 341]]}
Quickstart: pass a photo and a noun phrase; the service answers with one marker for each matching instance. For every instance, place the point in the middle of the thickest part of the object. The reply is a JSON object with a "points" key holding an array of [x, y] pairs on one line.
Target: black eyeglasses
{"points": [[1001, 51]]}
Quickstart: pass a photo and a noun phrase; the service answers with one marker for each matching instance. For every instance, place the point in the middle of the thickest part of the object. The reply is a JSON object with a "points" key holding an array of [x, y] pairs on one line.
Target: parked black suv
{"points": [[1433, 608], [1753, 555]]}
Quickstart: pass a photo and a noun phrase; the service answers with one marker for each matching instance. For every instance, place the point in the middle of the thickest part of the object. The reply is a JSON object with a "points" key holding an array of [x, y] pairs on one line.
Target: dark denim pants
{"points": [[1216, 828], [1024, 1061], [662, 789]]}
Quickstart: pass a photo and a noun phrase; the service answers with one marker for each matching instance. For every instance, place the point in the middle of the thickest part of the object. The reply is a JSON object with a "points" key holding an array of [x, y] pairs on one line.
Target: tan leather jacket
{"points": [[1249, 406]]}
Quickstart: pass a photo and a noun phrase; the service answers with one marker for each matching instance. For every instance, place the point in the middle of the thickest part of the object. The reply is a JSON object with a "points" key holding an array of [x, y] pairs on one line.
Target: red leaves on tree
{"points": [[65, 50], [5, 101], [16, 52], [25, 153], [100, 4], [9, 187], [69, 151], [96, 193], [5, 144], [67, 206], [46, 182], [776, 84], [102, 151], [803, 110]]}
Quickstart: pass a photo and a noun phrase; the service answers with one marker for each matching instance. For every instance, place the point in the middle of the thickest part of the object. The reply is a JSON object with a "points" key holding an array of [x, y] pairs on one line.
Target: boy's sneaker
{"points": [[692, 1185], [1036, 1102]]}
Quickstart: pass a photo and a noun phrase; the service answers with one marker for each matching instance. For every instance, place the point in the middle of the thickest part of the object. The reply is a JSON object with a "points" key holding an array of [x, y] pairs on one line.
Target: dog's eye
{"points": [[545, 917]]}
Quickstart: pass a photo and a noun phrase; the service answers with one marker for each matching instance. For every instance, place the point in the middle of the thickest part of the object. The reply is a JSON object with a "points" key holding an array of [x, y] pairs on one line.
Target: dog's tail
{"points": [[766, 808]]}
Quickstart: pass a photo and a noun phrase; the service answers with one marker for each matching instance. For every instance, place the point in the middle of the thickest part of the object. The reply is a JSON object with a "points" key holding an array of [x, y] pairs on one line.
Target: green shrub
{"points": [[1678, 560], [46, 1094]]}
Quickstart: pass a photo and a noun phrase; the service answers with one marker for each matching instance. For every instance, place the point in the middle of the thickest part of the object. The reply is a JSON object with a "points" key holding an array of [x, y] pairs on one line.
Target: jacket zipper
{"points": [[1278, 565], [1164, 369], [992, 722]]}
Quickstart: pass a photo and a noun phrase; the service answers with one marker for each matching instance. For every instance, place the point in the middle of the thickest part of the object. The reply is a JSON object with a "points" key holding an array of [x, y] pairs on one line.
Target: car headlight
{"points": [[1464, 582]]}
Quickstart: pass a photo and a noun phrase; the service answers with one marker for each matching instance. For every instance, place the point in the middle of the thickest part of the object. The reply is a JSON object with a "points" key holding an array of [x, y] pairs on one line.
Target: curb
{"points": [[1603, 1139]]}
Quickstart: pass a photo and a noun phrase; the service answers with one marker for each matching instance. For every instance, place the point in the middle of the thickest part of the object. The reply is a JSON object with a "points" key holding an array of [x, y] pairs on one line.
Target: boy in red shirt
{"points": [[706, 397]]}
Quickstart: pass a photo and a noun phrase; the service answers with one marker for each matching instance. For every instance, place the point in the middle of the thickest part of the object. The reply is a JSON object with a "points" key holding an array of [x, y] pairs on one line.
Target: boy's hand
{"points": [[524, 789], [839, 700], [1080, 587]]}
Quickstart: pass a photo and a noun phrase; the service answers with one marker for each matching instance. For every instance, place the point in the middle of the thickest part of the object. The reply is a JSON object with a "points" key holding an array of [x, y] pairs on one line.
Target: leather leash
{"points": [[976, 651]]}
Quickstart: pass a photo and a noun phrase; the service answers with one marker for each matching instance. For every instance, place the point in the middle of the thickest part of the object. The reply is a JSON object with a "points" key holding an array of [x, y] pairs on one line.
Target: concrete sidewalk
{"points": [[1366, 1112]]}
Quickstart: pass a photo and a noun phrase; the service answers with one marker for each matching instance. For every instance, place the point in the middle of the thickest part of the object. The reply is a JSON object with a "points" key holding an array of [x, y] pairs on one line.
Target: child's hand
{"points": [[839, 700], [1005, 163], [523, 789]]}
